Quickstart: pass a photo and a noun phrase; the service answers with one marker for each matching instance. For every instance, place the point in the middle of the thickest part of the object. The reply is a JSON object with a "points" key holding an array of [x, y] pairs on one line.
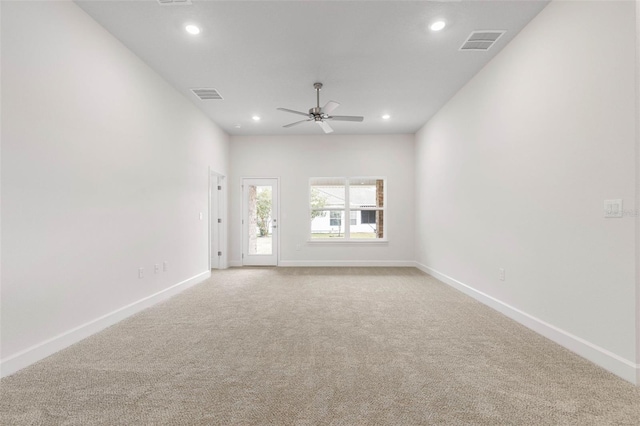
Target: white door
{"points": [[260, 222]]}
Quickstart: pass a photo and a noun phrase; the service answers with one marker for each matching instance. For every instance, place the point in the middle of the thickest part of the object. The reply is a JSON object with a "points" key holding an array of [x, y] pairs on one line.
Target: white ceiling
{"points": [[374, 57]]}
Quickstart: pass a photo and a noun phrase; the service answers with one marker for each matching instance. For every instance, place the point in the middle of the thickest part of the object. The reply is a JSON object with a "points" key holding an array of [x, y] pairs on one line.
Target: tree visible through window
{"points": [[360, 200]]}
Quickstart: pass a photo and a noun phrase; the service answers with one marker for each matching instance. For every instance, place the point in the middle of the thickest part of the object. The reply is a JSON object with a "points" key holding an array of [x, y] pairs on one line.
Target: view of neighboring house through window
{"points": [[336, 219], [367, 216], [361, 200]]}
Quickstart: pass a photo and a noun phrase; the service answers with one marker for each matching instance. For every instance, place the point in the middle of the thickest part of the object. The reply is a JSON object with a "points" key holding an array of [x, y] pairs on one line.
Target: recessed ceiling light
{"points": [[237, 126], [256, 118], [386, 117], [192, 29], [438, 25]]}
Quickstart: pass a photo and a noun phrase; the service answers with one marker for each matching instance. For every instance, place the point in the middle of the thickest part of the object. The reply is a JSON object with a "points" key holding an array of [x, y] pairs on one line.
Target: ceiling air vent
{"points": [[175, 2], [481, 40], [207, 94]]}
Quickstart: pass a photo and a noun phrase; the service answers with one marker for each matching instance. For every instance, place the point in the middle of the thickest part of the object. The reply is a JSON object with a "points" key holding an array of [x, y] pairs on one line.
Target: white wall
{"points": [[637, 206], [104, 170], [295, 159], [513, 171]]}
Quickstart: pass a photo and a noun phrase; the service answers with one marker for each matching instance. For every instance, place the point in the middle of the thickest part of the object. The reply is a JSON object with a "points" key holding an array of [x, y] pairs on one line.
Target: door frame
{"points": [[276, 246], [217, 231]]}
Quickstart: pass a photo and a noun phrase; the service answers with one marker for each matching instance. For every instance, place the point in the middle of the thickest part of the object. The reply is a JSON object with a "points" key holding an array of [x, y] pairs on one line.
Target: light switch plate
{"points": [[613, 208]]}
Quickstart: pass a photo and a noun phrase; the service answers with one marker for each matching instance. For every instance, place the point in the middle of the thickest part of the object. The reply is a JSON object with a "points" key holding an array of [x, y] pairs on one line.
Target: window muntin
{"points": [[362, 200]]}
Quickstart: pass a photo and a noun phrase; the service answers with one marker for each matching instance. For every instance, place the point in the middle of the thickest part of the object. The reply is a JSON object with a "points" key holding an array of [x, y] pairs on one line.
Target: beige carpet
{"points": [[317, 346]]}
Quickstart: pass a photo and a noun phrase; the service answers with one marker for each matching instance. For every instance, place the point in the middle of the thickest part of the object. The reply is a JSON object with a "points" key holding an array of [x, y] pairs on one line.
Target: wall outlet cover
{"points": [[613, 208]]}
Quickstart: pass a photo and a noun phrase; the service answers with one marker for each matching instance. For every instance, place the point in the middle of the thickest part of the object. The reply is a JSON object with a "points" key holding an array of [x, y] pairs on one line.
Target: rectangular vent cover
{"points": [[175, 2], [207, 94], [481, 40]]}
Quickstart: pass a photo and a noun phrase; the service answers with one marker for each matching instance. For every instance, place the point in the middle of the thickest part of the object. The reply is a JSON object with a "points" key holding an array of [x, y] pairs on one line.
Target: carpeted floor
{"points": [[317, 346]]}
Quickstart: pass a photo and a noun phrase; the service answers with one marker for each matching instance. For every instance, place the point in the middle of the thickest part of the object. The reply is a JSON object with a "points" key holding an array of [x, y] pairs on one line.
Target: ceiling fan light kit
{"points": [[320, 115]]}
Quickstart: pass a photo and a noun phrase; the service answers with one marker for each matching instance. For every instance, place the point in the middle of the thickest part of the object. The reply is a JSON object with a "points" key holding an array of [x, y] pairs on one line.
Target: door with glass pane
{"points": [[260, 222]]}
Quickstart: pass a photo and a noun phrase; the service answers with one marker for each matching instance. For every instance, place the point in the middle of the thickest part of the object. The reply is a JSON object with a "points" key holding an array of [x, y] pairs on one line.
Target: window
{"points": [[367, 216], [361, 200], [336, 219]]}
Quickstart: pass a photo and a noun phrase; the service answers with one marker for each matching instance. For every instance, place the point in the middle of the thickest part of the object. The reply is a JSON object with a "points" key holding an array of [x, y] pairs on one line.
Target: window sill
{"points": [[321, 241]]}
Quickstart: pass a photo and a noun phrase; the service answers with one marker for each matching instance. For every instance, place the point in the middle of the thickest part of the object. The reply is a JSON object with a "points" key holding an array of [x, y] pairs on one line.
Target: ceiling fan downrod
{"points": [[315, 111]]}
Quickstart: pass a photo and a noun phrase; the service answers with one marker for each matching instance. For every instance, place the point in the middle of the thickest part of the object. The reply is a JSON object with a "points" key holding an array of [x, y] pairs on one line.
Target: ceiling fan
{"points": [[320, 115]]}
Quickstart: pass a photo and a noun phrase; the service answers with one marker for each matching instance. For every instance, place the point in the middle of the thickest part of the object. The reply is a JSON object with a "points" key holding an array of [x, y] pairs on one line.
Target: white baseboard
{"points": [[608, 360], [346, 263], [35, 353]]}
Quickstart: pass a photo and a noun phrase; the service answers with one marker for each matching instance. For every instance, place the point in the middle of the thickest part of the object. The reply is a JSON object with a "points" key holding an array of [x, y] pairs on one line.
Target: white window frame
{"points": [[347, 212]]}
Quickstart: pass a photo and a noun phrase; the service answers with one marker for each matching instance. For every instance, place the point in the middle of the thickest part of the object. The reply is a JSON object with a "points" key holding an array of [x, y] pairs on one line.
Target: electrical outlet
{"points": [[613, 208], [501, 274], [140, 272], [156, 268], [165, 266]]}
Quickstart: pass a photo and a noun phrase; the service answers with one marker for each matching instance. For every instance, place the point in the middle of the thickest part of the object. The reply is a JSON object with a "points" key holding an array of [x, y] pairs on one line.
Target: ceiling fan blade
{"points": [[345, 118], [297, 122], [325, 126], [293, 112], [329, 107]]}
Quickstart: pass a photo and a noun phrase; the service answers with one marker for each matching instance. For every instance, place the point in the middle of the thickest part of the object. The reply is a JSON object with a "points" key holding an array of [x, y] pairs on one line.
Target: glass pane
{"points": [[327, 193], [370, 224], [260, 231], [366, 193], [327, 224]]}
